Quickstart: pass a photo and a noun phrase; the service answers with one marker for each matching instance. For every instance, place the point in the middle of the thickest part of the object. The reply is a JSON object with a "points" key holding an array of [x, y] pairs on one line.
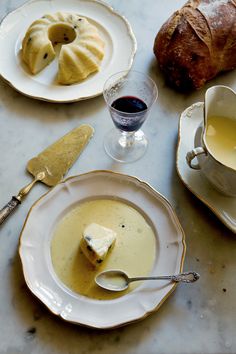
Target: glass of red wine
{"points": [[129, 96]]}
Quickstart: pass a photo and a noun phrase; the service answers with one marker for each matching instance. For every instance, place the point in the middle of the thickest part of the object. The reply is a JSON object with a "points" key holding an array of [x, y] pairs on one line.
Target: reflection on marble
{"points": [[196, 319]]}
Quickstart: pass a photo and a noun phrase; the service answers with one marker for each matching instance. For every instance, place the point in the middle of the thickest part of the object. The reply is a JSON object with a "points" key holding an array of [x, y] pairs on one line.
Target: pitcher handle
{"points": [[192, 154]]}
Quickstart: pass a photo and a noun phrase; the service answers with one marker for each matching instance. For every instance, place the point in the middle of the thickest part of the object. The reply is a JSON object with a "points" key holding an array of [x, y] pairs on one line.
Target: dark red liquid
{"points": [[128, 104]]}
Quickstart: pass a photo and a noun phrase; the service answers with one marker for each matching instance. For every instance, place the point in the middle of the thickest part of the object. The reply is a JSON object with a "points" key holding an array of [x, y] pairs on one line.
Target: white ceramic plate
{"points": [[189, 135], [37, 265], [120, 47]]}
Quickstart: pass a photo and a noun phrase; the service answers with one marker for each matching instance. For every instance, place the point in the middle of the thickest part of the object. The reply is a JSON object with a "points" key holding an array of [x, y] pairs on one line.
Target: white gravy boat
{"points": [[220, 101]]}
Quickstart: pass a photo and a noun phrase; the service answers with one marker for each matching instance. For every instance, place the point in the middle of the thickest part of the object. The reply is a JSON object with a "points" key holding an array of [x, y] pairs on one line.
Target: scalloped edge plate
{"points": [[35, 255], [222, 206], [113, 28]]}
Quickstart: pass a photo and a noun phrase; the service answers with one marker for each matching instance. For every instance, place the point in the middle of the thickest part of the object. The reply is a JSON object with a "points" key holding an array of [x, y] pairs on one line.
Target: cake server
{"points": [[52, 164]]}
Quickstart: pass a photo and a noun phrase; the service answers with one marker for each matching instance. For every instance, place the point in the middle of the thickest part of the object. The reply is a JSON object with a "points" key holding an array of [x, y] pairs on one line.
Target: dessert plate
{"points": [[189, 136], [36, 238], [113, 28]]}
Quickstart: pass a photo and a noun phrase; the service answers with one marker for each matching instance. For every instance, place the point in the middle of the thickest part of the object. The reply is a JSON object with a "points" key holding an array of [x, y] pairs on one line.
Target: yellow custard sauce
{"points": [[134, 250], [221, 139]]}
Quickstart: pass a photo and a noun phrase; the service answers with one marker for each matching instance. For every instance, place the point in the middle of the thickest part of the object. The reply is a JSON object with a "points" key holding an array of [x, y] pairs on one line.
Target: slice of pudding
{"points": [[96, 241]]}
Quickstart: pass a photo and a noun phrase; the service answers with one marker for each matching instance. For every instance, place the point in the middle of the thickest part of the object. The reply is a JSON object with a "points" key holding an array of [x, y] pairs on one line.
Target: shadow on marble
{"points": [[29, 108], [202, 213], [57, 336], [175, 102]]}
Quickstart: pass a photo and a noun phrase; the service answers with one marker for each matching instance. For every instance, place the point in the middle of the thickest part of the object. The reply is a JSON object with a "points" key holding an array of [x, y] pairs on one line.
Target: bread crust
{"points": [[197, 42]]}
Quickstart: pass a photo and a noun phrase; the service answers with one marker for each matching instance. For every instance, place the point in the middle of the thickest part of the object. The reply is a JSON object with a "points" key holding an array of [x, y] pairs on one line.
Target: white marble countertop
{"points": [[195, 319]]}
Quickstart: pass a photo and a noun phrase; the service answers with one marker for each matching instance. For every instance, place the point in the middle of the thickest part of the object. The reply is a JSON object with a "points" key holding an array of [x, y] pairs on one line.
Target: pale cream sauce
{"points": [[134, 251], [221, 139], [113, 281]]}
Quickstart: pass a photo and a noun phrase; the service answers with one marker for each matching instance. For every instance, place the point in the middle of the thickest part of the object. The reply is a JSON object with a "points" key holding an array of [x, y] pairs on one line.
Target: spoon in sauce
{"points": [[117, 280]]}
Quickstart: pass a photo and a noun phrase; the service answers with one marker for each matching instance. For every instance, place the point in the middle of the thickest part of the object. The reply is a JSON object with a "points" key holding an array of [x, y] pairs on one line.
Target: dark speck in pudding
{"points": [[117, 339], [31, 330], [45, 55], [31, 333]]}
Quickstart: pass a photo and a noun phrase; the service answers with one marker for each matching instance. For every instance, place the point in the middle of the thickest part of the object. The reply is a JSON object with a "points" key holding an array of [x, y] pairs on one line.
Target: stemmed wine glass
{"points": [[129, 96]]}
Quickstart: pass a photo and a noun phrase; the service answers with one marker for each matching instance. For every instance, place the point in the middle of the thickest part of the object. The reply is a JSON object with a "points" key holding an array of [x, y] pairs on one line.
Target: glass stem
{"points": [[127, 139]]}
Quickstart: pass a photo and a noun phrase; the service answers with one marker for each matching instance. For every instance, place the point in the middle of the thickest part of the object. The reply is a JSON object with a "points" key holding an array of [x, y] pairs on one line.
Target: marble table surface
{"points": [[194, 319]]}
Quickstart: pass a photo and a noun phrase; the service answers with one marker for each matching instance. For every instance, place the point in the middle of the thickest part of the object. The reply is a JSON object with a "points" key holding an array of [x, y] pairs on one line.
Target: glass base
{"points": [[124, 146]]}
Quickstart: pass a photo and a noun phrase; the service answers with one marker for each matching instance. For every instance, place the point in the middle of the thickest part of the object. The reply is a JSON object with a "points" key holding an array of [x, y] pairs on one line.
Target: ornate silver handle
{"points": [[8, 208], [15, 201], [187, 277], [192, 154]]}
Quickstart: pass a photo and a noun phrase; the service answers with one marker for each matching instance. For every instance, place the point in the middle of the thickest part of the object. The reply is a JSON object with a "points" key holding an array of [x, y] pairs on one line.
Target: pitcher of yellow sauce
{"points": [[216, 150]]}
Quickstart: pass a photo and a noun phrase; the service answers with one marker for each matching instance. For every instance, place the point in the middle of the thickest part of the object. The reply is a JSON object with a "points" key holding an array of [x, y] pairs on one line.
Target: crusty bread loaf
{"points": [[197, 42]]}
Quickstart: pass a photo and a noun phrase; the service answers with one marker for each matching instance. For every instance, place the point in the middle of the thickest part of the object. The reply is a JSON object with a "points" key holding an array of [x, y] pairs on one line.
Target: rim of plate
{"points": [[187, 113], [140, 296], [42, 97]]}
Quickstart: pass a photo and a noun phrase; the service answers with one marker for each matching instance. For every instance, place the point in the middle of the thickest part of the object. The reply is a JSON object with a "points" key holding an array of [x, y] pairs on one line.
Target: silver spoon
{"points": [[117, 280]]}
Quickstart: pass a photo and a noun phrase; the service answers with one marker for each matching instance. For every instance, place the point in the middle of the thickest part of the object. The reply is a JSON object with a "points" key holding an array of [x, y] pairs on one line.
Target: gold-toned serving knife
{"points": [[52, 164]]}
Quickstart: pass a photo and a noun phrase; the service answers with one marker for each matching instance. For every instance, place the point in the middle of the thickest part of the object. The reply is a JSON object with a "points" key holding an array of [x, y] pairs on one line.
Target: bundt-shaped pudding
{"points": [[81, 51]]}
